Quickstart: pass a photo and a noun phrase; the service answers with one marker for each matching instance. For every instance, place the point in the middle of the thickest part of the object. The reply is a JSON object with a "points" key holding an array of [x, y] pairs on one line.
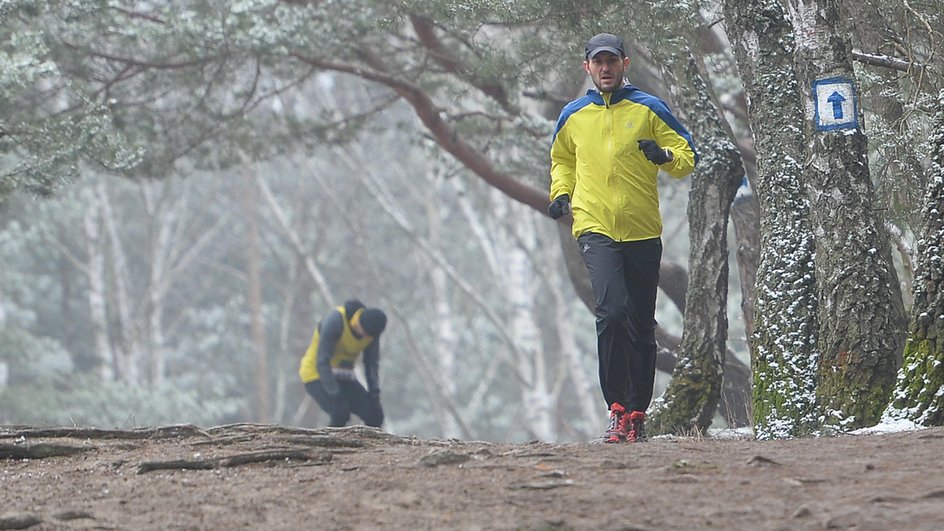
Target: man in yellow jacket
{"points": [[327, 368], [606, 154]]}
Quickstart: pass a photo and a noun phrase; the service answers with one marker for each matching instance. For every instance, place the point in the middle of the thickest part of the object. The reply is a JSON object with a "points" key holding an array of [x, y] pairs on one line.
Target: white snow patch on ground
{"points": [[746, 432], [888, 426]]}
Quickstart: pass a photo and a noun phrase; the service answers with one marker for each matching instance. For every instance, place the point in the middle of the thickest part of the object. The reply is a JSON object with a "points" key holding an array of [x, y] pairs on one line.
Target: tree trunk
{"points": [[154, 195], [690, 401], [447, 337], [745, 211], [860, 313], [254, 288], [745, 216], [129, 352], [919, 395], [95, 271], [783, 348]]}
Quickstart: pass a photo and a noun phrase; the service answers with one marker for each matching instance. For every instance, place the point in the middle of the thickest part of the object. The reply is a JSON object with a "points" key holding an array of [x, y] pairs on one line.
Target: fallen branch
{"points": [[350, 436]]}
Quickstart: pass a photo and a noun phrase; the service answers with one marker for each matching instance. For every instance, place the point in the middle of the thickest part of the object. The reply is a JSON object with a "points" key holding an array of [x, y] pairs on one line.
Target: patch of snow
{"points": [[746, 432], [888, 425]]}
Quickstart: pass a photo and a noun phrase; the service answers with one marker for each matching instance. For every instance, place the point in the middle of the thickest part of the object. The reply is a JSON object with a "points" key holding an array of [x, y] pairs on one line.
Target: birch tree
{"points": [[859, 311], [447, 337]]}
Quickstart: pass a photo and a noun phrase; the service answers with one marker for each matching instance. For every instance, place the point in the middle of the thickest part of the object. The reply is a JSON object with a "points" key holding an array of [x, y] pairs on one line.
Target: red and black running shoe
{"points": [[619, 421], [636, 426]]}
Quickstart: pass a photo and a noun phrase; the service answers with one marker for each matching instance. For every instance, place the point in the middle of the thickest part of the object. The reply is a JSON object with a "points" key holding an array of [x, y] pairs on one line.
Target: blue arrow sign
{"points": [[834, 104], [836, 99]]}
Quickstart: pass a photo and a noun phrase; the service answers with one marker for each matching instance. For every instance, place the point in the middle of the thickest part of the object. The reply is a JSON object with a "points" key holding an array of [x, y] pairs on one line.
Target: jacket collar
{"points": [[616, 96]]}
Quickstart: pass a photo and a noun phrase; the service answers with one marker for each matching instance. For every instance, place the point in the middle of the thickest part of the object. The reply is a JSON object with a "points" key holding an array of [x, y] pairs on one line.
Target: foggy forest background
{"points": [[186, 190]]}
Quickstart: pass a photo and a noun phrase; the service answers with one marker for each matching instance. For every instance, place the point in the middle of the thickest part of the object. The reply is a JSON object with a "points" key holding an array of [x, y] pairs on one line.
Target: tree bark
{"points": [[859, 311], [254, 289], [690, 401], [919, 394], [783, 348], [745, 216]]}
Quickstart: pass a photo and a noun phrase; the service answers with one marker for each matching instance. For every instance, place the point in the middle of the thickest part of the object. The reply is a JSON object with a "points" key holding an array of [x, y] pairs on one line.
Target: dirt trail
{"points": [[249, 476]]}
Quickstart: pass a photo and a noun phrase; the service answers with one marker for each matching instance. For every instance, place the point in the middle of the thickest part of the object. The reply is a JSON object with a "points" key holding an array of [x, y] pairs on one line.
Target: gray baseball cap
{"points": [[605, 42]]}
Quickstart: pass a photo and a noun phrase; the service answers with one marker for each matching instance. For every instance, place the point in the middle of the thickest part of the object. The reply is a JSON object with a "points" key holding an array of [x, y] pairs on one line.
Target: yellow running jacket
{"points": [[344, 348], [596, 160]]}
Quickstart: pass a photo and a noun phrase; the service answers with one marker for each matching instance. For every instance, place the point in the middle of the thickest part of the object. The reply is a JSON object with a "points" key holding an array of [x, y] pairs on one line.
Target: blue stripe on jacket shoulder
{"points": [[659, 107], [573, 107]]}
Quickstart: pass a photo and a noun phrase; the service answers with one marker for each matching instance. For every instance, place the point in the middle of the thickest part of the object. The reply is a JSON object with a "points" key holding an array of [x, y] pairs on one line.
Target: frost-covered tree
{"points": [[859, 311], [784, 350], [49, 126], [919, 395], [691, 399]]}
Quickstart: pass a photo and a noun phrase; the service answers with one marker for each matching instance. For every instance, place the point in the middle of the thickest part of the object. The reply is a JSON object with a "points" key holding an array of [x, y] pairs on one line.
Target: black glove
{"points": [[560, 206], [654, 153]]}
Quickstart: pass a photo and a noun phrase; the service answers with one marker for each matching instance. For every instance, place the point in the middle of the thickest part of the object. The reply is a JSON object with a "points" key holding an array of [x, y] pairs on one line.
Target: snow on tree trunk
{"points": [[690, 401], [919, 394], [859, 311], [783, 350]]}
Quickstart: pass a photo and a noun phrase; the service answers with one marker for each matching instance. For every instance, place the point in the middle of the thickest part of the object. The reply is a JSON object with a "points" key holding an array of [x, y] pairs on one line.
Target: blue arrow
{"points": [[836, 99]]}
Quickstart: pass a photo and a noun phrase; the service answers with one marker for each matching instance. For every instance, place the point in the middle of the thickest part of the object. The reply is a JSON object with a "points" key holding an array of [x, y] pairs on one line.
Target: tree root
{"points": [[236, 460], [38, 450], [162, 432]]}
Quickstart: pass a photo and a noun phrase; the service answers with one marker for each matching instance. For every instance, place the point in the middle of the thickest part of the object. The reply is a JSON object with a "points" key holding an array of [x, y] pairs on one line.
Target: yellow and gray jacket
{"points": [[334, 345], [596, 160]]}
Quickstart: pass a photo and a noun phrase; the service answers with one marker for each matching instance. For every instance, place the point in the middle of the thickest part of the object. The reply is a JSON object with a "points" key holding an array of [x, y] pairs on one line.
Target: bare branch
{"points": [[427, 35], [886, 61], [445, 135]]}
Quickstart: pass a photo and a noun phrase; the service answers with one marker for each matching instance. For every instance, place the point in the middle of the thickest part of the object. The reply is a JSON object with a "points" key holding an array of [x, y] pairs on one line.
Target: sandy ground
{"points": [[251, 476]]}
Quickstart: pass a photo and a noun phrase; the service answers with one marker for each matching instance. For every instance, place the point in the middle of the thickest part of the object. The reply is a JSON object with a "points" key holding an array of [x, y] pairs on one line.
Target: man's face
{"points": [[606, 70]]}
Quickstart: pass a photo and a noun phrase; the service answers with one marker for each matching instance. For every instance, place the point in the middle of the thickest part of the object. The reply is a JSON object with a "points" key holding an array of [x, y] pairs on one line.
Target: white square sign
{"points": [[834, 102]]}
